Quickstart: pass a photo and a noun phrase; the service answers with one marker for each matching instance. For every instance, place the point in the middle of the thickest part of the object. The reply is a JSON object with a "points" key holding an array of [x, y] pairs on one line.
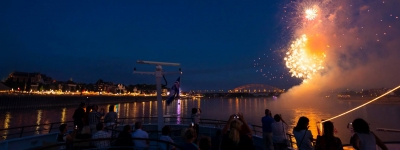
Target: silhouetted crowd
{"points": [[237, 134], [275, 135]]}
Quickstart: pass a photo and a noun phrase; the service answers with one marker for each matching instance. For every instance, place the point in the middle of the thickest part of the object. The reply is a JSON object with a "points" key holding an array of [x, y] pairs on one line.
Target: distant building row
{"points": [[24, 81]]}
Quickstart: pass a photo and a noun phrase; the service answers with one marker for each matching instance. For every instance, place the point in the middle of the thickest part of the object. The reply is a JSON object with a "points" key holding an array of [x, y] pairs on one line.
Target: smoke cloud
{"points": [[361, 40]]}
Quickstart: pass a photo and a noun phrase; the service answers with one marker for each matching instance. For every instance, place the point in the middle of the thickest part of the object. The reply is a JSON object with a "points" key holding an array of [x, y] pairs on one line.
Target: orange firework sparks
{"points": [[303, 61]]}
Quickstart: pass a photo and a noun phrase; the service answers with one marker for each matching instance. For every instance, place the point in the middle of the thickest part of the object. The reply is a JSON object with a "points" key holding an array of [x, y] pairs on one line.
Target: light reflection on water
{"points": [[63, 113], [377, 114], [39, 117]]}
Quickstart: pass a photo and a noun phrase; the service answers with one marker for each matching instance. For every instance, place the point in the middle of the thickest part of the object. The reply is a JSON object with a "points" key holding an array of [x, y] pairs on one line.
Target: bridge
{"points": [[256, 88], [247, 90]]}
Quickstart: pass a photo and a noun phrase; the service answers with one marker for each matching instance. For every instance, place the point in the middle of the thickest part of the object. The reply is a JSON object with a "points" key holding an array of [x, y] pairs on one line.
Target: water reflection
{"points": [[116, 108], [63, 113], [38, 118], [178, 111], [6, 124], [150, 110]]}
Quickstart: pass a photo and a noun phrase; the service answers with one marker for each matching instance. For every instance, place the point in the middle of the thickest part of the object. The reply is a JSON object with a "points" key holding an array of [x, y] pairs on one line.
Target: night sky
{"points": [[217, 43]]}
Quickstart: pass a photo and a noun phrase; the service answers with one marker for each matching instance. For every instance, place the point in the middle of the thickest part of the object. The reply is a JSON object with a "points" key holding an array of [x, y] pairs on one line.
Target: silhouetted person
{"points": [[238, 137], [111, 117], [363, 138], [196, 112], [328, 141], [216, 140], [64, 137], [139, 133], [205, 143], [190, 137], [266, 121], [79, 116], [94, 117], [125, 137], [279, 129], [101, 134], [302, 135], [166, 130]]}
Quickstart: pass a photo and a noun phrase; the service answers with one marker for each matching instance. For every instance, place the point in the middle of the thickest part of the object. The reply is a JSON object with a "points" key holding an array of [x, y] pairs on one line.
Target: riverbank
{"points": [[42, 101]]}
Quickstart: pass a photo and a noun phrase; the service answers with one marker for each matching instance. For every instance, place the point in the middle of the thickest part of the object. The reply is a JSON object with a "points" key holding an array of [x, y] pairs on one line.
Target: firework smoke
{"points": [[360, 40]]}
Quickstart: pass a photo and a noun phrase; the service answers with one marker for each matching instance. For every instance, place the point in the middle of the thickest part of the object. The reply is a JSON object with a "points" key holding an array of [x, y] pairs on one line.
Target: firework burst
{"points": [[311, 13], [301, 62]]}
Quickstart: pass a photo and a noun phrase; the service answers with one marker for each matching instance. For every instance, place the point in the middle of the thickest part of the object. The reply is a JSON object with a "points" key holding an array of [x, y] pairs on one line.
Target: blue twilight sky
{"points": [[218, 43]]}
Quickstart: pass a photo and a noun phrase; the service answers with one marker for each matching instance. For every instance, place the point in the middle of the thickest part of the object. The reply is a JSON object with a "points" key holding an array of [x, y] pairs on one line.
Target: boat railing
{"points": [[19, 132], [85, 144]]}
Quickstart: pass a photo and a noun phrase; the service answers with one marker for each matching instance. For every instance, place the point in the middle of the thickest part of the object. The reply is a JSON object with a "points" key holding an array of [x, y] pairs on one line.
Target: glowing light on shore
{"points": [[301, 61], [311, 13], [375, 99]]}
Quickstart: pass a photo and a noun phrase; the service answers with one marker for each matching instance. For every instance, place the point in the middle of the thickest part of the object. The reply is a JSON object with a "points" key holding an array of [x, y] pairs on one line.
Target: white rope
{"points": [[388, 92]]}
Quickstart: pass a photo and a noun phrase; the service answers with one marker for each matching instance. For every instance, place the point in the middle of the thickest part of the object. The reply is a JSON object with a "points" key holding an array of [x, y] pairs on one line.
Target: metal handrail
{"points": [[22, 128], [216, 122], [110, 139]]}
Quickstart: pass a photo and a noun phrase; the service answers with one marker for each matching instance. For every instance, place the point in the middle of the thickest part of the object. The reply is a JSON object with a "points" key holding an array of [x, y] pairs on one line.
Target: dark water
{"points": [[378, 114]]}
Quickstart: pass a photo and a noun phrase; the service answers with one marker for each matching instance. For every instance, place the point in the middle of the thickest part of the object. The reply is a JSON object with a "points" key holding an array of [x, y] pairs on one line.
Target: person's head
{"points": [[95, 107], [190, 135], [88, 109], [302, 124], [328, 128], [234, 133], [360, 126], [99, 126], [194, 110], [267, 112], [111, 108], [218, 132], [127, 128], [277, 118], [82, 105], [166, 130], [63, 128], [138, 125], [85, 130], [205, 143]]}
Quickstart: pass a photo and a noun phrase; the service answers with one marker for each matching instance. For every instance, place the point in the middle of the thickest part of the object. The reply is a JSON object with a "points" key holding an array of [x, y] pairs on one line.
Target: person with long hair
{"points": [[239, 134], [328, 141], [363, 138], [302, 135], [189, 138]]}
